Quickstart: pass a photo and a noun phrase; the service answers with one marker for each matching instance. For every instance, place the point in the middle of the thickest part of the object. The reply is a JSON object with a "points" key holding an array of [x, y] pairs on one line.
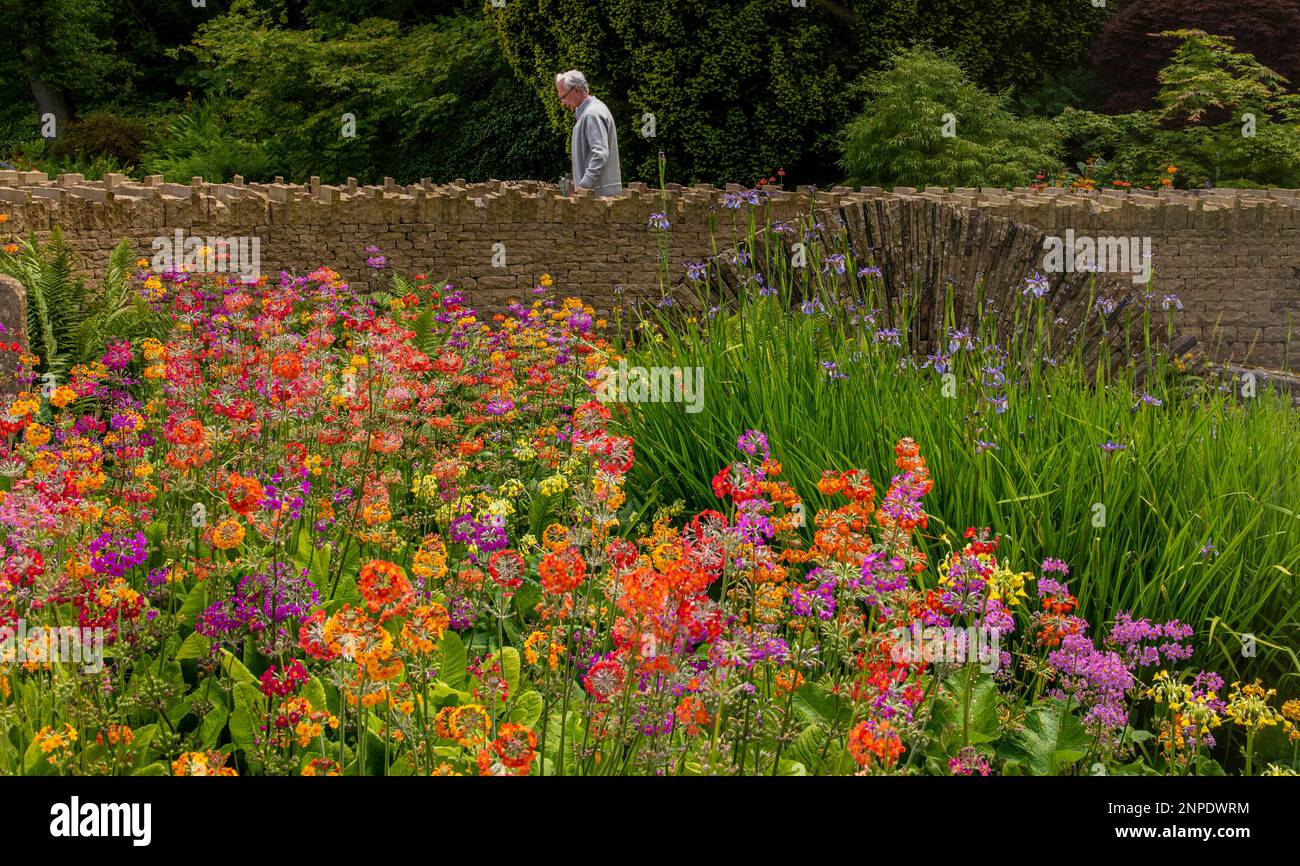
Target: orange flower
{"points": [[692, 714], [555, 537], [384, 587], [202, 764], [425, 627], [243, 494], [286, 366], [430, 561], [321, 767], [227, 534], [874, 739], [515, 746], [562, 570], [468, 724]]}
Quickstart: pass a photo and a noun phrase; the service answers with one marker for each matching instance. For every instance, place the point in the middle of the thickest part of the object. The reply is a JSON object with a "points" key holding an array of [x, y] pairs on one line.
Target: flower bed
{"points": [[324, 534]]}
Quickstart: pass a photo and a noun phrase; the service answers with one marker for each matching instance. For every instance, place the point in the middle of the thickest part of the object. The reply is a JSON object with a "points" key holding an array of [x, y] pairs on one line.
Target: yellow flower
{"points": [[553, 485], [1007, 586], [424, 487], [1248, 707], [48, 740]]}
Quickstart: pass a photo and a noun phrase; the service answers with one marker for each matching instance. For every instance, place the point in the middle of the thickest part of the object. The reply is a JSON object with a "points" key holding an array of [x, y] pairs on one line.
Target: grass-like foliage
{"points": [[1166, 495]]}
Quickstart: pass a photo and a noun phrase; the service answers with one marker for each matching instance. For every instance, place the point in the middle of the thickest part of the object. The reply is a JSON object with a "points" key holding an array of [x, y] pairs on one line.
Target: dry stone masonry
{"points": [[1231, 256]]}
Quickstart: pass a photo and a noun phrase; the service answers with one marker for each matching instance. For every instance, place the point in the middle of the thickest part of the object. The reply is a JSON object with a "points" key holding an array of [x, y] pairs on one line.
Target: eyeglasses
{"points": [[565, 94]]}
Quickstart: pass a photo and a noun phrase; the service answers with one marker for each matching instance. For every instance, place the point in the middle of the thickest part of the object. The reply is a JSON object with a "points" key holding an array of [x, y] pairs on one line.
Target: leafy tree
{"points": [[739, 89], [1221, 117], [402, 92], [926, 124], [57, 48], [1127, 58]]}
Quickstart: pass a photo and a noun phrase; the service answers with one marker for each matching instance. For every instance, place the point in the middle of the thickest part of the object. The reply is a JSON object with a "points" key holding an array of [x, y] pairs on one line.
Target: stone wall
{"points": [[1232, 256]]}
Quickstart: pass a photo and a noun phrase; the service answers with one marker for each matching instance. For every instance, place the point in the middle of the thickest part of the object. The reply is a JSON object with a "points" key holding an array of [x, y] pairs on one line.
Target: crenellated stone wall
{"points": [[1231, 256]]}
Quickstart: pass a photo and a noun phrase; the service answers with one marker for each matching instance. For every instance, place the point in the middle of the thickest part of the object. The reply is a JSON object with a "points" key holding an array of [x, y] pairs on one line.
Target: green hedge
{"points": [[743, 88]]}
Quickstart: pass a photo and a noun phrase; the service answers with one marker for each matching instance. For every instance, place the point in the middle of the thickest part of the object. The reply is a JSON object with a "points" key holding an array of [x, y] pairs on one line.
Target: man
{"points": [[595, 141]]}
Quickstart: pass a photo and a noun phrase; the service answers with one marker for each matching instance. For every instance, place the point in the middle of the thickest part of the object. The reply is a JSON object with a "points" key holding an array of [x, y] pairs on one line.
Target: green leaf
{"points": [[510, 667], [1051, 740], [196, 646], [195, 602], [813, 703], [807, 747], [1206, 766], [791, 768], [314, 692], [453, 660], [235, 668], [215, 721], [247, 715], [157, 768], [528, 709]]}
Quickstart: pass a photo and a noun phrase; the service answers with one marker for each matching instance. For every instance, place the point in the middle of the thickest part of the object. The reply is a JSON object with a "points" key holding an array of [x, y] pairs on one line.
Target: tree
{"points": [[1127, 56], [1220, 117], [926, 123], [739, 89], [58, 48]]}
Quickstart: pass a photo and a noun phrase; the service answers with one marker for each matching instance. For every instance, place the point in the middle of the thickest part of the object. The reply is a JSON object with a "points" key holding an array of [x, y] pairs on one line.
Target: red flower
{"points": [[603, 680], [507, 569], [286, 682]]}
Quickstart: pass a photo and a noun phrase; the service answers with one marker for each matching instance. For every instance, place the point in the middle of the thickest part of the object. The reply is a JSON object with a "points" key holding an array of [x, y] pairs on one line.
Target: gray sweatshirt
{"points": [[595, 149]]}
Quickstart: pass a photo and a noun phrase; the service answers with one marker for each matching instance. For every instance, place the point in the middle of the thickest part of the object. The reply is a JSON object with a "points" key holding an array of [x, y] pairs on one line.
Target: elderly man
{"points": [[595, 141]]}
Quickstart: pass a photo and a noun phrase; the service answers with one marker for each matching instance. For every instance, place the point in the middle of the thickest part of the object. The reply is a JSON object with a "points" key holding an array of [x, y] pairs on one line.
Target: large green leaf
{"points": [[947, 718], [214, 722], [236, 669], [527, 710], [807, 748], [247, 715], [195, 601], [813, 703], [1051, 740], [510, 667], [196, 646], [453, 661]]}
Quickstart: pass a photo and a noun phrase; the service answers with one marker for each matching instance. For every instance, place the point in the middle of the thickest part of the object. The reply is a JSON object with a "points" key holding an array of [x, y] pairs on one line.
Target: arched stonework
{"points": [[926, 249]]}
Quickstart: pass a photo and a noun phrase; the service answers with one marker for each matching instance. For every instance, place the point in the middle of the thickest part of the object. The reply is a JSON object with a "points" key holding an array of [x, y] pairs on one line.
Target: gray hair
{"points": [[572, 79]]}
